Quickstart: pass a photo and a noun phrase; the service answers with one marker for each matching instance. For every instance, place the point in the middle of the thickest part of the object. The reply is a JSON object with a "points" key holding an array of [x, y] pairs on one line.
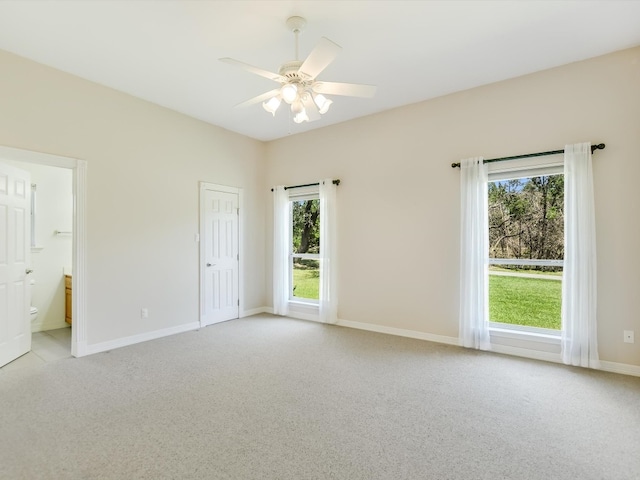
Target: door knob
{"points": [[28, 271], [211, 265]]}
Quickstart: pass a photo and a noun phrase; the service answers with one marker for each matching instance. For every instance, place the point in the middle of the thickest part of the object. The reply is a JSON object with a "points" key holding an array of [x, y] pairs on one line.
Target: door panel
{"points": [[4, 240], [15, 329], [221, 290]]}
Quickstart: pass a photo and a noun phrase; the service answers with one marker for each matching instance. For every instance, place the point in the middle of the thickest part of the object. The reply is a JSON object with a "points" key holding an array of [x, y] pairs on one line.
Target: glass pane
{"points": [[526, 218], [306, 278], [305, 219], [526, 222], [525, 297]]}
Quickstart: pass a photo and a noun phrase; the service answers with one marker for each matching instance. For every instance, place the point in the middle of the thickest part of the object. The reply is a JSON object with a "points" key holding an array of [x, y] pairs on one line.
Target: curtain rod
{"points": [[335, 182], [600, 146]]}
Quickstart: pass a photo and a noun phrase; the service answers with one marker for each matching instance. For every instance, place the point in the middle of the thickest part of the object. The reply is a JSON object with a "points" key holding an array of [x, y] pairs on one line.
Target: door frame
{"points": [[79, 237], [204, 186]]}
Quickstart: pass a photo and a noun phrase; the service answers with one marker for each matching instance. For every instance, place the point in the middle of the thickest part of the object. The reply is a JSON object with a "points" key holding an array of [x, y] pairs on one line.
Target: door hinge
{"points": [[237, 256], [238, 302]]}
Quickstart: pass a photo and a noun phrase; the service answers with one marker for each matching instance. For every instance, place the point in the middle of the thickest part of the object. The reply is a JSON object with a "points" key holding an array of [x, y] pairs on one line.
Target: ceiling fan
{"points": [[299, 86]]}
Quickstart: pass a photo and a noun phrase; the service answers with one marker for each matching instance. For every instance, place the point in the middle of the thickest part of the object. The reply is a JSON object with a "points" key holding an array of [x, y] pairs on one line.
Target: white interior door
{"points": [[15, 254], [220, 259]]}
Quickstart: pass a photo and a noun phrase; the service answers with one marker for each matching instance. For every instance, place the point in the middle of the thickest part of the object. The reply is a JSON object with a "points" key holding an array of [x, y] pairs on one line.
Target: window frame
{"points": [[515, 170]]}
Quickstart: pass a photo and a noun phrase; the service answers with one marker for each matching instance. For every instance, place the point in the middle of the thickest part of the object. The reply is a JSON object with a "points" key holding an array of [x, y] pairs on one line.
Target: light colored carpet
{"points": [[274, 398]]}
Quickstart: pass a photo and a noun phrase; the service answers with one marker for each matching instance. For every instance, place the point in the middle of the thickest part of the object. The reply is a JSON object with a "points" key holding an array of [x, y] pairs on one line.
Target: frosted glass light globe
{"points": [[289, 93]]}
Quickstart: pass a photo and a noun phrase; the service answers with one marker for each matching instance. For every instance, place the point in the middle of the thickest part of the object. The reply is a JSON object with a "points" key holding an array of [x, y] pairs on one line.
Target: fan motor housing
{"points": [[290, 71]]}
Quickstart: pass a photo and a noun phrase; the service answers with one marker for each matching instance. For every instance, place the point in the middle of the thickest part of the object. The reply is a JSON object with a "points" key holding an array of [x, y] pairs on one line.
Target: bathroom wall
{"points": [[54, 211]]}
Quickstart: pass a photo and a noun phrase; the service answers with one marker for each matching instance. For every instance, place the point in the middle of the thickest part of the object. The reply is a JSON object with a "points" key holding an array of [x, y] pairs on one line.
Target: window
{"points": [[304, 251], [304, 258], [526, 249]]}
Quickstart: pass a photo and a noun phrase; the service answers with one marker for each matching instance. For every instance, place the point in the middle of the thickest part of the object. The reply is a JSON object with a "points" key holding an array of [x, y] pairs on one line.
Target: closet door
{"points": [[221, 261]]}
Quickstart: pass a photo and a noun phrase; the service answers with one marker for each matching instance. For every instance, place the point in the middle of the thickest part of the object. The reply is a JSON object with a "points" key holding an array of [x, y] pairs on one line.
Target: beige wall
{"points": [[144, 165], [398, 191], [399, 200]]}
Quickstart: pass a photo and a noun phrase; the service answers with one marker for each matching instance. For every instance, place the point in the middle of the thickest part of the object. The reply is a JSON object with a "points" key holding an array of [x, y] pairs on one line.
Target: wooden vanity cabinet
{"points": [[67, 301]]}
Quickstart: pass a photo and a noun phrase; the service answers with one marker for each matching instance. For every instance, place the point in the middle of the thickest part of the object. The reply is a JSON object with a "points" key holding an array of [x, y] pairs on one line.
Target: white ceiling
{"points": [[166, 51]]}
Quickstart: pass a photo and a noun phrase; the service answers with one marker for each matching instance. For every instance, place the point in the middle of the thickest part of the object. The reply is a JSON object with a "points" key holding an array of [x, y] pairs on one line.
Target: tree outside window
{"points": [[526, 251], [305, 249]]}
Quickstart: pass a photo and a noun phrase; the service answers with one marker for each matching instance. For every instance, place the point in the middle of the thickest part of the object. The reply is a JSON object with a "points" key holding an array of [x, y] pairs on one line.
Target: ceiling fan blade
{"points": [[311, 108], [320, 57], [250, 68], [259, 98], [347, 89]]}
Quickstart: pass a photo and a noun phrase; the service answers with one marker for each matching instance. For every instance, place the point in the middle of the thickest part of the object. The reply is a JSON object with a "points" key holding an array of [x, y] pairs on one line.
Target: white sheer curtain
{"points": [[281, 250], [579, 327], [474, 251], [328, 248]]}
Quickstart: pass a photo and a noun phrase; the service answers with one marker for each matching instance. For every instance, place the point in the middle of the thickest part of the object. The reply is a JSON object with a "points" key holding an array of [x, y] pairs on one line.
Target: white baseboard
{"points": [[526, 353], [83, 349], [400, 332], [80, 350], [304, 316], [292, 314], [143, 337], [623, 368], [255, 311], [614, 367], [50, 325]]}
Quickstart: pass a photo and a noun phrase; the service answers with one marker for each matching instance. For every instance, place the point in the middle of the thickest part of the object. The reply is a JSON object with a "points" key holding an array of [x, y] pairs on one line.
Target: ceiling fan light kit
{"points": [[272, 105], [289, 92], [322, 102], [298, 85]]}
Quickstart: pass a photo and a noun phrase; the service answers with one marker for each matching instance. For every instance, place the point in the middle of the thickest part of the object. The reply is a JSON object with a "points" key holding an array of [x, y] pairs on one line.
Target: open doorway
{"points": [[56, 251]]}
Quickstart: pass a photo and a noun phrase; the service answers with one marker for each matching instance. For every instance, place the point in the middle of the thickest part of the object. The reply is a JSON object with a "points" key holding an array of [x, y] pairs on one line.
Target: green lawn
{"points": [[520, 301], [525, 301], [306, 282]]}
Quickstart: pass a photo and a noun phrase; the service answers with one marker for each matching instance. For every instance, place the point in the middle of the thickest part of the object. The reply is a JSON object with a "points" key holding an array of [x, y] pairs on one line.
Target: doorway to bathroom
{"points": [[54, 275]]}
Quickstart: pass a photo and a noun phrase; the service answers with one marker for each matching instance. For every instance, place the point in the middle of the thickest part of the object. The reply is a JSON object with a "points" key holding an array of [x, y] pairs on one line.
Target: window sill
{"points": [[539, 335], [302, 303], [304, 310]]}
